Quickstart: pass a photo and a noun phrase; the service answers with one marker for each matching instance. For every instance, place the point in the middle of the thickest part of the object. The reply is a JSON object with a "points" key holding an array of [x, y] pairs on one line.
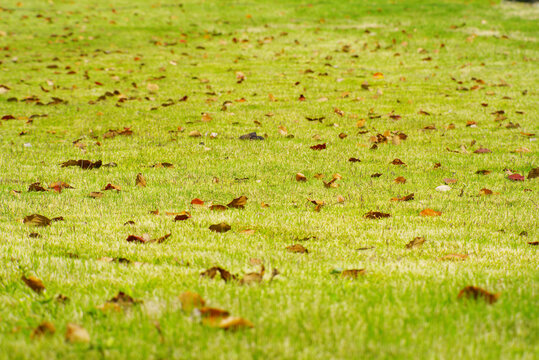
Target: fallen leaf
{"points": [[96, 195], [111, 187], [300, 177], [354, 160], [352, 273], [404, 198], [319, 146], [190, 301], [83, 164], [454, 257], [197, 201], [534, 173], [33, 283], [36, 187], [443, 188], [76, 334], [140, 180], [450, 181], [123, 300], [218, 207], [223, 273], [212, 316], [485, 191], [397, 162], [516, 177], [162, 165], [45, 328], [340, 198], [182, 217], [400, 180], [416, 242], [297, 248], [376, 215], [238, 203], [58, 186], [430, 212], [220, 228], [140, 239], [475, 292], [254, 277], [235, 323], [247, 232], [37, 220], [482, 172], [482, 151], [535, 243], [195, 133]]}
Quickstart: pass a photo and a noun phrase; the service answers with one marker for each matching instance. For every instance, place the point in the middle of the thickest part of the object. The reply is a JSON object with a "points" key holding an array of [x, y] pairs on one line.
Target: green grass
{"points": [[405, 306]]}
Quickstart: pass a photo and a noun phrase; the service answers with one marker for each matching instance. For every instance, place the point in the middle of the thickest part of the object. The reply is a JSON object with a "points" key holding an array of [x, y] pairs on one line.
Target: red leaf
{"points": [[516, 177]]}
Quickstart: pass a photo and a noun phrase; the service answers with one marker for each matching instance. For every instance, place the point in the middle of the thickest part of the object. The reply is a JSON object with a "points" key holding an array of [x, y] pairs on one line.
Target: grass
{"points": [[405, 306]]}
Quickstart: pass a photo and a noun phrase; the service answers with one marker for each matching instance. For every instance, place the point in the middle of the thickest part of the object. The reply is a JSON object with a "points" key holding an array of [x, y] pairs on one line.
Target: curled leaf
{"points": [[474, 292]]}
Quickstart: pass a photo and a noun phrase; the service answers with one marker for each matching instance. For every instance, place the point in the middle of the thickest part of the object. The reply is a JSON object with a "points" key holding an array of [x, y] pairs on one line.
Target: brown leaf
{"points": [[235, 323], [319, 146], [354, 159], [376, 215], [182, 217], [454, 257], [297, 248], [96, 194], [76, 334], [397, 162], [254, 277], [37, 220], [238, 203], [190, 301], [450, 181], [36, 187], [197, 201], [213, 316], [135, 238], [140, 180], [83, 164], [247, 232], [482, 151], [404, 198], [195, 133], [58, 186], [485, 191], [220, 228], [45, 328], [353, 273], [33, 283], [474, 292], [482, 172], [430, 212], [218, 207], [300, 177], [534, 173], [162, 165], [223, 273], [516, 177], [535, 243], [400, 180], [111, 187], [416, 242]]}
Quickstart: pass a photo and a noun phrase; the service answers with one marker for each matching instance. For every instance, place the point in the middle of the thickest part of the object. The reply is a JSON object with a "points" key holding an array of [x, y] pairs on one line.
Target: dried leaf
{"points": [[454, 257], [247, 232], [352, 273], [36, 187], [430, 212], [235, 323], [516, 177], [300, 177], [400, 180], [482, 172], [76, 334], [297, 248], [223, 273], [397, 162], [404, 198], [83, 164], [474, 292], [485, 191], [212, 316], [58, 186], [482, 151], [416, 242], [534, 173], [140, 180], [96, 195], [190, 301], [33, 283], [254, 277], [319, 146], [220, 228], [197, 201], [123, 300], [45, 328], [376, 215], [111, 187], [37, 220], [354, 160], [195, 133], [238, 203], [218, 207], [183, 216]]}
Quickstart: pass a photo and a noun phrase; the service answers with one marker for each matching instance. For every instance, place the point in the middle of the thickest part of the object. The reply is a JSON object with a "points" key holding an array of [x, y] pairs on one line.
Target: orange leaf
{"points": [[430, 212]]}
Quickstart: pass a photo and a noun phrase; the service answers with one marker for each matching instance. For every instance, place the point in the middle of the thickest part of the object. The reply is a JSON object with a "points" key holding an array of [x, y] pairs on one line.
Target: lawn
{"points": [[394, 138]]}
